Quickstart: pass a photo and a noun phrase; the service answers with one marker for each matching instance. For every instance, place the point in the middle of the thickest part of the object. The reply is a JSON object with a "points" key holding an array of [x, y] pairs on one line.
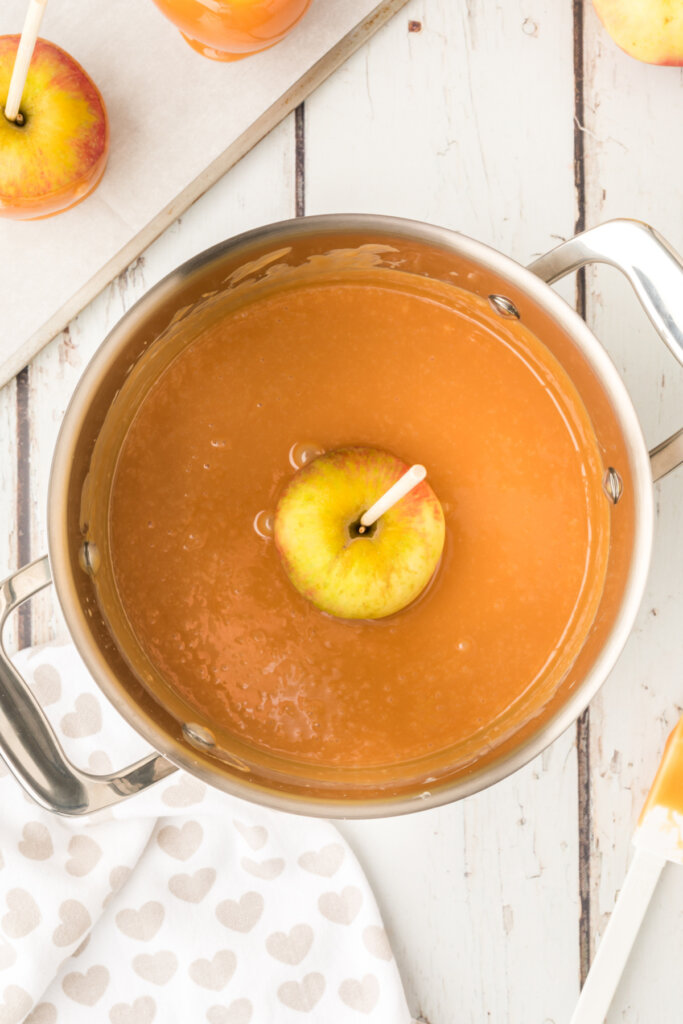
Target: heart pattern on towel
{"points": [[142, 924], [22, 914], [192, 888], [343, 907], [36, 843], [304, 995], [291, 948], [181, 843], [239, 1012], [215, 973], [84, 720], [181, 896], [241, 915], [86, 988]]}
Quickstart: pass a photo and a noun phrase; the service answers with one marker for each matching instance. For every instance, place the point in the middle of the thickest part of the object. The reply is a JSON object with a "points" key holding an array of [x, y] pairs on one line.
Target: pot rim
{"points": [[548, 300]]}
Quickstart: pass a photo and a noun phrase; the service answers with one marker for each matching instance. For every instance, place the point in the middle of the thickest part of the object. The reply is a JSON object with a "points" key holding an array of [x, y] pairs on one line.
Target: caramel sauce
{"points": [[434, 376], [667, 789]]}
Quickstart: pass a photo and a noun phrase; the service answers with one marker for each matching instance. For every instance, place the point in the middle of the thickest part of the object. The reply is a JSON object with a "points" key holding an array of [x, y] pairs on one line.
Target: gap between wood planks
{"points": [[23, 508], [583, 722]]}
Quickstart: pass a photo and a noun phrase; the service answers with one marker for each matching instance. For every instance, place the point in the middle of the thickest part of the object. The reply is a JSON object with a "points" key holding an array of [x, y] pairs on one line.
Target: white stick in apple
{"points": [[29, 35], [411, 478]]}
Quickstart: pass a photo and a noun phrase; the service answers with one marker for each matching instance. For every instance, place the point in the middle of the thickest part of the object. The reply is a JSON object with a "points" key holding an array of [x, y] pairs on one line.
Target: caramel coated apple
{"points": [[55, 154]]}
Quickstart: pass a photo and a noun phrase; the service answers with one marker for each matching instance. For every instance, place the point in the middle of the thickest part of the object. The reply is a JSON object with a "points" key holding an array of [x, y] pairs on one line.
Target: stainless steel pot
{"points": [[26, 740]]}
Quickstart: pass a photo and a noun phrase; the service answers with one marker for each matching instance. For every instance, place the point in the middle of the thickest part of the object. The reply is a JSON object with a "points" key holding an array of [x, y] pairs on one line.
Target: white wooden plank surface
{"points": [[634, 148], [468, 891], [469, 122]]}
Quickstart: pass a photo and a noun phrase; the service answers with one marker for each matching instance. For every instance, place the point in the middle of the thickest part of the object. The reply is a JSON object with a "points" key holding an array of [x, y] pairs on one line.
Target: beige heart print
{"points": [[75, 921], [216, 973], [43, 1013], [377, 943], [84, 855], [325, 862], [182, 842], [86, 989], [158, 968], [184, 793], [341, 908], [302, 996], [241, 915], [142, 924], [192, 888], [239, 1012], [36, 843], [140, 1012], [47, 684], [15, 1005], [22, 914], [85, 720], [292, 948], [255, 835], [266, 869], [360, 995]]}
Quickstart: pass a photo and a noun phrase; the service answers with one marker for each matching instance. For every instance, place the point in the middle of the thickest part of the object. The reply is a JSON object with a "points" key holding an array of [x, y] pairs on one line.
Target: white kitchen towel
{"points": [[184, 905]]}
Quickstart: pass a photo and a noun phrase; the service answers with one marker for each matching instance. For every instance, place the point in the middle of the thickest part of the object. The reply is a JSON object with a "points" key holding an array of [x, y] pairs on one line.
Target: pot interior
{"points": [[151, 337]]}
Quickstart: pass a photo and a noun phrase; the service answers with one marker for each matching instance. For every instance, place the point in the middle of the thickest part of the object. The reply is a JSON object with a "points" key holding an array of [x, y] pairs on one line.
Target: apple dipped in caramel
{"points": [[53, 155], [342, 566]]}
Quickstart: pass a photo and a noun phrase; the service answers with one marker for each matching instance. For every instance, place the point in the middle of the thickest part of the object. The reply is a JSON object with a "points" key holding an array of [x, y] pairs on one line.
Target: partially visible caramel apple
{"points": [[55, 155], [649, 30], [233, 29]]}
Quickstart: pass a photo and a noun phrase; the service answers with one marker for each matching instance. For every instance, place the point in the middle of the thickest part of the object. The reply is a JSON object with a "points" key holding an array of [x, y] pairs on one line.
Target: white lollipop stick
{"points": [[620, 934], [29, 35], [410, 479]]}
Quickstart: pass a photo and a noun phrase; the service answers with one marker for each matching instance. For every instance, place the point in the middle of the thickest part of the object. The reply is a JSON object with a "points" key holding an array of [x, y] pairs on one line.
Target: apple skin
{"points": [[357, 577], [649, 30], [57, 158]]}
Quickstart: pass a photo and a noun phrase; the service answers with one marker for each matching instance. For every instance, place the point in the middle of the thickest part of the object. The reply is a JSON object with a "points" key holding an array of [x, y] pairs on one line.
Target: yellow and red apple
{"points": [[344, 572], [650, 30], [55, 155]]}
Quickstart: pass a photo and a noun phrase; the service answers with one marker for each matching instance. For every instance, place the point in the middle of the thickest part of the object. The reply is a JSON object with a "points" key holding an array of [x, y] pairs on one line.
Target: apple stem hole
{"points": [[358, 530], [19, 120]]}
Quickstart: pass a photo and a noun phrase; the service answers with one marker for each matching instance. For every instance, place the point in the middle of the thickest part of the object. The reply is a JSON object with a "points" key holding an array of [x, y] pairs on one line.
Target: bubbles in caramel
{"points": [[395, 362]]}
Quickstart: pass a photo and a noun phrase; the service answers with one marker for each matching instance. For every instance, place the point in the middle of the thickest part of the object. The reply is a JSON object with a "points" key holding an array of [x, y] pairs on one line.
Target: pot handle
{"points": [[28, 743], [656, 273]]}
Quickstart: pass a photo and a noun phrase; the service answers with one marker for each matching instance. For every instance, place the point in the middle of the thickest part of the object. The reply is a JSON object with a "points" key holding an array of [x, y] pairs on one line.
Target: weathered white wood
{"points": [[634, 149], [258, 190], [8, 489], [468, 123]]}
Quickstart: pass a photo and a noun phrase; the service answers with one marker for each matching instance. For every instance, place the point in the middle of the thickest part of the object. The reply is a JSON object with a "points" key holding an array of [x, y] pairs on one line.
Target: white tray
{"points": [[178, 122]]}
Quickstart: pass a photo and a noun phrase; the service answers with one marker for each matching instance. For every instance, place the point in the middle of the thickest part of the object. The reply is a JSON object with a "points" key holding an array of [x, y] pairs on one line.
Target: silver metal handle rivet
{"points": [[199, 736], [504, 307], [89, 557], [612, 485]]}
